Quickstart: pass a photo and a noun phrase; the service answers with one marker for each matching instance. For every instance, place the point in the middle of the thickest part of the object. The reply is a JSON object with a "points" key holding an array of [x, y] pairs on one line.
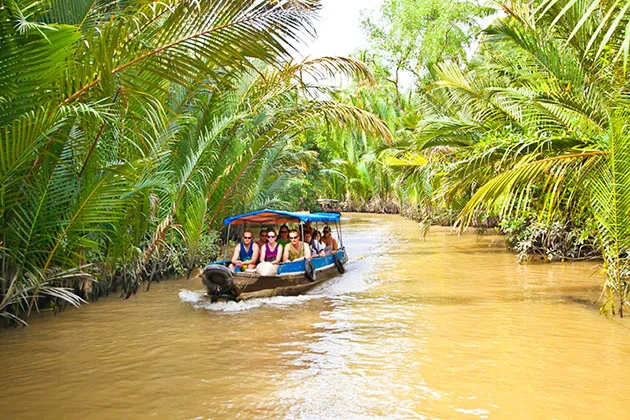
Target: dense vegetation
{"points": [[129, 129], [521, 125]]}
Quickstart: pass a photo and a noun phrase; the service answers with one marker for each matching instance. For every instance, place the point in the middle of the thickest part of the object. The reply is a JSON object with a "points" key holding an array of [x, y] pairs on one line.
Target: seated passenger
{"points": [[245, 254], [263, 238], [307, 228], [317, 249], [272, 250], [330, 244], [283, 239], [296, 250]]}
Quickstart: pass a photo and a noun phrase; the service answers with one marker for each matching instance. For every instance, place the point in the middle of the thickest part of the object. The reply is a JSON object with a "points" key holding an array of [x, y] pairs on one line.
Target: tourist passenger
{"points": [[330, 244], [317, 235], [317, 249], [307, 227], [296, 250], [283, 239], [272, 250], [263, 238], [245, 254]]}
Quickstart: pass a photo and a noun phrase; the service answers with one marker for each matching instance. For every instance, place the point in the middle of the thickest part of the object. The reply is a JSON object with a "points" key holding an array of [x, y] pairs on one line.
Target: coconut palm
{"points": [[251, 146], [542, 123], [87, 91], [357, 169]]}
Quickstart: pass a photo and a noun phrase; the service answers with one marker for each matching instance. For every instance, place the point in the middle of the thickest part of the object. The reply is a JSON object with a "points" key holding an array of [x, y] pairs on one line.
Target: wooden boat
{"points": [[292, 278]]}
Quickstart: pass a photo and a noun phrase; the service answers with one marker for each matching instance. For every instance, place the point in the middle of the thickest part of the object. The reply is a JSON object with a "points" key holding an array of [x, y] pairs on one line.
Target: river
{"points": [[442, 327]]}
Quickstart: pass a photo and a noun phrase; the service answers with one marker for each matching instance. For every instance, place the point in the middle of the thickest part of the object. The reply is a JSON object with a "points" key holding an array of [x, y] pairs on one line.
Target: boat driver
{"points": [[245, 254]]}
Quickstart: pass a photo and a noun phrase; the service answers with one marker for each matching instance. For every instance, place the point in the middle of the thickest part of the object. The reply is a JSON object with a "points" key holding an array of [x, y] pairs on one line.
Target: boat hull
{"points": [[291, 279]]}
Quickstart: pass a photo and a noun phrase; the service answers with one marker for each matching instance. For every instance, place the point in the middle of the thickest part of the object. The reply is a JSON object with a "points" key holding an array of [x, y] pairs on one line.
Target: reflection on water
{"points": [[447, 327]]}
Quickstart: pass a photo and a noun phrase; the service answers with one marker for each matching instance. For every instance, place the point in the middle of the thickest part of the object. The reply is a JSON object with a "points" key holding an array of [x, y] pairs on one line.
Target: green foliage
{"points": [[609, 186], [299, 191], [536, 124], [551, 241], [370, 174], [413, 35], [129, 130]]}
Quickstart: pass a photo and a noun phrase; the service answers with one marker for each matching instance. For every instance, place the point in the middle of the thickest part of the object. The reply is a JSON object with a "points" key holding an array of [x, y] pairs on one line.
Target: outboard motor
{"points": [[219, 282]]}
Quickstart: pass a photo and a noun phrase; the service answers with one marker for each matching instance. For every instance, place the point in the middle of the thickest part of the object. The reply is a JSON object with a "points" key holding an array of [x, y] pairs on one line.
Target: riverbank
{"points": [[530, 238]]}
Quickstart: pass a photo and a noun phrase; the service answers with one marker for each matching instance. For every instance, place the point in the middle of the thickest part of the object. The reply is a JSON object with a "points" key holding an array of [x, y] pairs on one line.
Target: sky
{"points": [[339, 28]]}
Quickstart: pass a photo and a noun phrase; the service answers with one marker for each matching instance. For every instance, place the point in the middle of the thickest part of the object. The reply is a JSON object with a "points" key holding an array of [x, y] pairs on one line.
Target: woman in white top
{"points": [[317, 249], [330, 244]]}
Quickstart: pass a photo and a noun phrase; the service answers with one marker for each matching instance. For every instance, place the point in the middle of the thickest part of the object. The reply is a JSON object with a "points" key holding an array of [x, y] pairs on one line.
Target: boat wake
{"points": [[200, 300], [357, 280]]}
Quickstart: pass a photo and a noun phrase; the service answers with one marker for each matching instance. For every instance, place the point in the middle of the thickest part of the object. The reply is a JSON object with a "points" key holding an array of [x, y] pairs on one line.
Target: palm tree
{"points": [[541, 121], [83, 118], [239, 143], [132, 129]]}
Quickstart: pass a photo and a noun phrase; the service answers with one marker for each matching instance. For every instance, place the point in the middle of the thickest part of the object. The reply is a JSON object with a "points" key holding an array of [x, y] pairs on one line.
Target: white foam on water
{"points": [[192, 296], [344, 284], [200, 300], [479, 412]]}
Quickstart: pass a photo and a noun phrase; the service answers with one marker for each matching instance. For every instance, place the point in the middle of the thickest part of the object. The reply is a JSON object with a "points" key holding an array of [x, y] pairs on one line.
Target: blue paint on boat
{"points": [[297, 267], [268, 215]]}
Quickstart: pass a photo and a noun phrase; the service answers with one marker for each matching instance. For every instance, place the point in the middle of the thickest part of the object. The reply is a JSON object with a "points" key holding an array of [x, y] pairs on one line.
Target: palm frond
{"points": [[611, 203], [511, 185]]}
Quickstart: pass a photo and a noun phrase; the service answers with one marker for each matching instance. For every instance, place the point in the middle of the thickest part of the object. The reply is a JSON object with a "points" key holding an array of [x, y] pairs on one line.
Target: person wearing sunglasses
{"points": [[330, 244], [283, 239], [271, 251], [296, 250], [245, 254]]}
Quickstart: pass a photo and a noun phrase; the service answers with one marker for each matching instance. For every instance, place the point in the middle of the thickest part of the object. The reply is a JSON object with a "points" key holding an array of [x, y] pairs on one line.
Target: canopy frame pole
{"points": [[227, 243], [338, 225]]}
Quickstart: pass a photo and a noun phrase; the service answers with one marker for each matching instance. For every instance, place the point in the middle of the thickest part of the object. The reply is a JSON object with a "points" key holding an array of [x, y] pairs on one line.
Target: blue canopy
{"points": [[268, 216]]}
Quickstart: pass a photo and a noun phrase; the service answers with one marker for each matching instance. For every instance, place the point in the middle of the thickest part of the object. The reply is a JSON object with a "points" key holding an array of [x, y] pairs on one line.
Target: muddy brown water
{"points": [[448, 327]]}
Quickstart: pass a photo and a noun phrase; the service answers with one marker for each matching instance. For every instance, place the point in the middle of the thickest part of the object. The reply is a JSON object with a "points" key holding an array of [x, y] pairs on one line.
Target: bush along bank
{"points": [[529, 237]]}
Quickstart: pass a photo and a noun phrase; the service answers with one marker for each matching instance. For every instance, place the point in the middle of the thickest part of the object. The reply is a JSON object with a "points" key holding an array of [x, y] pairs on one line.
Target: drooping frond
{"points": [[600, 26], [333, 67], [511, 186], [611, 198]]}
